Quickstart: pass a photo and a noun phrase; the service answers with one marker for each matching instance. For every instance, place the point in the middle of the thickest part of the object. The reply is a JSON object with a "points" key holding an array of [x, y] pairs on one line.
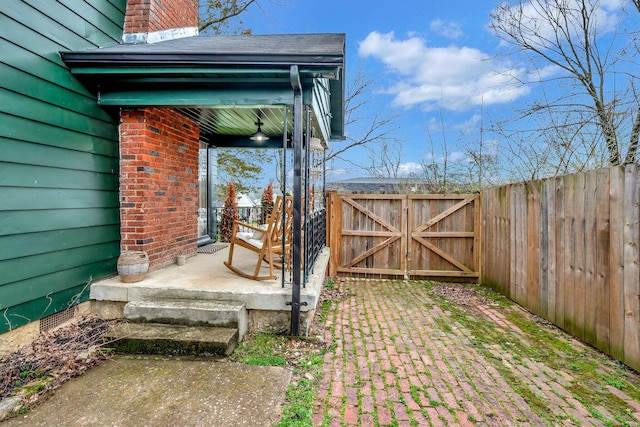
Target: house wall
{"points": [[159, 184], [59, 216]]}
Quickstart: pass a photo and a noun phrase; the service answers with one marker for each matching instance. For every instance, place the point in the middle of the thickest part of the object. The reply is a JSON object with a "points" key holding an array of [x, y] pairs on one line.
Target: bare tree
{"points": [[579, 38], [440, 173], [385, 157], [362, 129], [217, 16], [559, 145], [480, 165]]}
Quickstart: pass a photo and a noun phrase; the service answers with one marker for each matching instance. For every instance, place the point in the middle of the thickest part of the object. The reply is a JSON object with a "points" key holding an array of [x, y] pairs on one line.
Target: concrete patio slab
{"points": [[131, 392], [205, 277]]}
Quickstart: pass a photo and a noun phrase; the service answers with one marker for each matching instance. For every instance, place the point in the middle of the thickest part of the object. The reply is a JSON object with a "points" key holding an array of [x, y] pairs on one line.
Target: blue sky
{"points": [[435, 64]]}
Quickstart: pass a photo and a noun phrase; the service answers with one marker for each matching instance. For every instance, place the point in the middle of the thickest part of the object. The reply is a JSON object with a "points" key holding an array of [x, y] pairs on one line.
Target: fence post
{"points": [[334, 226], [478, 242]]}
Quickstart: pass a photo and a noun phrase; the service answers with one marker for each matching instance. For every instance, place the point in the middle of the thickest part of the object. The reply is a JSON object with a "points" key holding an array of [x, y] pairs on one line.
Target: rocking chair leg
{"points": [[257, 270], [270, 256], [230, 259]]}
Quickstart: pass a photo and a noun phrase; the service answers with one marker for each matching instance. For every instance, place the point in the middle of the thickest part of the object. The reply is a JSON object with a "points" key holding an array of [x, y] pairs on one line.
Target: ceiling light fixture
{"points": [[259, 136]]}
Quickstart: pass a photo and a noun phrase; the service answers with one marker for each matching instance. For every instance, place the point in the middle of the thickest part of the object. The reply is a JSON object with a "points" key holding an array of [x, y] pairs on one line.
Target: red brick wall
{"points": [[145, 16], [158, 184]]}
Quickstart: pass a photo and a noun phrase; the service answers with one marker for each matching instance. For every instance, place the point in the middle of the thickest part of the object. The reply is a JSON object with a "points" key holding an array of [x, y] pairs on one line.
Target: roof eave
{"points": [[96, 58], [106, 70]]}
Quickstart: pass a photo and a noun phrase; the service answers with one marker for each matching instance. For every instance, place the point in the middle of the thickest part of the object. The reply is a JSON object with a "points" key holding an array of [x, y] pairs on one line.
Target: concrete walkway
{"points": [[405, 357], [150, 391]]}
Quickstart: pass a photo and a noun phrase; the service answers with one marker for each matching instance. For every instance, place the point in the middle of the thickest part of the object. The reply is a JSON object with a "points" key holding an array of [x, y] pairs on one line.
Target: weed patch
{"points": [[589, 370]]}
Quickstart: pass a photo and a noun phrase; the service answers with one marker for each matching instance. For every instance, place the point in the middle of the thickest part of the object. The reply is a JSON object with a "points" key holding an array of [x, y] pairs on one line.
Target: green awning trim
{"points": [[209, 78], [196, 98]]}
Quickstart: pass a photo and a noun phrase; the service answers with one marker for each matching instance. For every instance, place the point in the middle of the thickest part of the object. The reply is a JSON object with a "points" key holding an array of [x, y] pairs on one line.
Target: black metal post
{"points": [[307, 139], [297, 198], [324, 178], [212, 220], [283, 188]]}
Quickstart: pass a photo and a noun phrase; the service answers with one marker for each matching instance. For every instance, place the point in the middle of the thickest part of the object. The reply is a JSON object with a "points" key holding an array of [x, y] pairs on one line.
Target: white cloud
{"points": [[409, 169], [472, 123], [534, 19], [454, 78], [454, 156], [457, 156], [450, 30], [337, 172]]}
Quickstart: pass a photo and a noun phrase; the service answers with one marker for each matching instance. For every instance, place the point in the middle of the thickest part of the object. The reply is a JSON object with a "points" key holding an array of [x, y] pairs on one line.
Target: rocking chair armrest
{"points": [[264, 231], [249, 226]]}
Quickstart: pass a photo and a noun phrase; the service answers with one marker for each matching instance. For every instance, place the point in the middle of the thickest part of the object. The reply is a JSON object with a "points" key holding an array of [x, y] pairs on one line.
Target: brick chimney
{"points": [[150, 21], [159, 151]]}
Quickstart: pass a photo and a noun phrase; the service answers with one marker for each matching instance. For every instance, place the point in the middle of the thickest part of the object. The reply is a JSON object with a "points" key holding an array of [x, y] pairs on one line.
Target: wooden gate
{"points": [[403, 235]]}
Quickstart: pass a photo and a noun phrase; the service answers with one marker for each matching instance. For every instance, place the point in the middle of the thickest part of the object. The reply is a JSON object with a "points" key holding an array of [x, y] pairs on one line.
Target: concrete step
{"points": [[158, 338], [190, 312]]}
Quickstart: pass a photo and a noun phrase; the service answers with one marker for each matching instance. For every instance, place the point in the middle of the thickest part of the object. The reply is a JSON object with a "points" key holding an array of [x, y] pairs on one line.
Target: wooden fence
{"points": [[567, 249], [404, 235]]}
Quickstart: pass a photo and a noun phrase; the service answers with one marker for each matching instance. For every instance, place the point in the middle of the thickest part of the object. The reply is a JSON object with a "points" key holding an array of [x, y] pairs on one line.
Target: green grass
{"points": [[260, 350], [413, 392], [324, 311], [302, 394], [268, 350], [266, 361], [615, 381], [299, 410]]}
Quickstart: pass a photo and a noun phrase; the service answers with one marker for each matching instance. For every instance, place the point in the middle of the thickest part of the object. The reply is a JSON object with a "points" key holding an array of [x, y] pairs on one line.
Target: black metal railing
{"points": [[254, 216], [314, 232], [314, 239]]}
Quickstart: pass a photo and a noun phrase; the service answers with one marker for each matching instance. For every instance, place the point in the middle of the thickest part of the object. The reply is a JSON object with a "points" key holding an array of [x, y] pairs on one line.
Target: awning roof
{"points": [[225, 83]]}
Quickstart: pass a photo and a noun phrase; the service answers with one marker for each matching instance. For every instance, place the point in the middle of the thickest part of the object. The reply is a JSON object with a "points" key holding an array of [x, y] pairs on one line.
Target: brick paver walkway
{"points": [[401, 358]]}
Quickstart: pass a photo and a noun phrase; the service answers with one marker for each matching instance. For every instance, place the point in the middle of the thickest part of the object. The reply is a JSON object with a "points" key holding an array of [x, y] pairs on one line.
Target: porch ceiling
{"points": [[225, 83], [231, 126]]}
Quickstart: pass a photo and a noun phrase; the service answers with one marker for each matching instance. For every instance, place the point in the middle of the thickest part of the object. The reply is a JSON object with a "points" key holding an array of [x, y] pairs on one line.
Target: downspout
{"points": [[296, 85]]}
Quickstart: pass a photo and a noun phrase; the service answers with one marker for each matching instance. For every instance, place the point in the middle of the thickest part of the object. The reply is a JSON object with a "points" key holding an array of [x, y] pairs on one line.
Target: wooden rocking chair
{"points": [[257, 240], [282, 235]]}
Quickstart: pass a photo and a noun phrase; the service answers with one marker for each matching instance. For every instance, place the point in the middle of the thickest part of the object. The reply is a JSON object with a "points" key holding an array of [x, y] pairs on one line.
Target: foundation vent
{"points": [[56, 319]]}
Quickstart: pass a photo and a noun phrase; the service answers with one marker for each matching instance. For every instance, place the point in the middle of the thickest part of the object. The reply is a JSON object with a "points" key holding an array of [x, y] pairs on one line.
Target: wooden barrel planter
{"points": [[133, 266]]}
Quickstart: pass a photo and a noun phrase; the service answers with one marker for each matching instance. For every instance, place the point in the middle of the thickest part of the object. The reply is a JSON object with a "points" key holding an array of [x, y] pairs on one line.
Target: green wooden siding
{"points": [[59, 208]]}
